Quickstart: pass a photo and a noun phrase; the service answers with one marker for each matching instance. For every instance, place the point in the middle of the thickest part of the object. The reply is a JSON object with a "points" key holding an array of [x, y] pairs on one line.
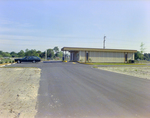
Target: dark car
{"points": [[28, 59]]}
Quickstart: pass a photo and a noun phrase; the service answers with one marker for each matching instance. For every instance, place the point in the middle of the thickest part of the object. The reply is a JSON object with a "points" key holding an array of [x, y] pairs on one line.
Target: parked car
{"points": [[33, 59]]}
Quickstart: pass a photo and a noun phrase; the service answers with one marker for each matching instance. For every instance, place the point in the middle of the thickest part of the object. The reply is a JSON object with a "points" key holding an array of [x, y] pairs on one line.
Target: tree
{"points": [[60, 54], [146, 56], [21, 53], [26, 50], [56, 49], [137, 55], [1, 53], [142, 49], [42, 55], [13, 54], [57, 54], [38, 52], [31, 53], [6, 54], [50, 53]]}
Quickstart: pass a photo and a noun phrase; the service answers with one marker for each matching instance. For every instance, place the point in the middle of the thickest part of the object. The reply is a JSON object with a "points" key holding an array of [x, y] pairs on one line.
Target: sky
{"points": [[44, 24]]}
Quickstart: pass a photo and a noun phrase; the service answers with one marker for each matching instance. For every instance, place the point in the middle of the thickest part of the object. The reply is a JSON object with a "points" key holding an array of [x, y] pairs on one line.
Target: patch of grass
{"points": [[142, 61], [112, 64], [95, 67], [125, 70]]}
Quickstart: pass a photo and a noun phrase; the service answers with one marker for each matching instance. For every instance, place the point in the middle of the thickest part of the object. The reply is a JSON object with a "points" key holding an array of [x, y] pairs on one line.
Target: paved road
{"points": [[79, 91]]}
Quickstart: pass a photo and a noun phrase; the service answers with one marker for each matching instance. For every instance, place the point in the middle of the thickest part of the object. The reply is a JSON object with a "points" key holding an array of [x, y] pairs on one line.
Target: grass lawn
{"points": [[113, 64]]}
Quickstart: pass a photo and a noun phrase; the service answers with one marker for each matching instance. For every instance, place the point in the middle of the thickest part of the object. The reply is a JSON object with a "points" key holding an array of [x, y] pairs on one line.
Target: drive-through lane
{"points": [[77, 90]]}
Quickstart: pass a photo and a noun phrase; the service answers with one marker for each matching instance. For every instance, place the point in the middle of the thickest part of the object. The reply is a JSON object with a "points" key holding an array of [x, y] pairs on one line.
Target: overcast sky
{"points": [[45, 24]]}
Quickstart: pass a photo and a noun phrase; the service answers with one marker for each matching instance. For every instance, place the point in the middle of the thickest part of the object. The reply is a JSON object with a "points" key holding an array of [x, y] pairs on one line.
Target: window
{"points": [[29, 57], [35, 57]]}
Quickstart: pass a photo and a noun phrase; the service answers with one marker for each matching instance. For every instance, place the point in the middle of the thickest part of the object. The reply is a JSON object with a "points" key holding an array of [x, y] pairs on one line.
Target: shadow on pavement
{"points": [[52, 61], [28, 63]]}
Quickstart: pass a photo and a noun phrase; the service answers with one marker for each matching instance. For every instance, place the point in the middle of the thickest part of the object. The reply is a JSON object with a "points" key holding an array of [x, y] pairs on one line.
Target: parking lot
{"points": [[77, 90]]}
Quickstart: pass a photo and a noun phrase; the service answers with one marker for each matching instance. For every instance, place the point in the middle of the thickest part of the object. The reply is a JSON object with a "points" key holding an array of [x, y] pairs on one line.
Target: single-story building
{"points": [[100, 55]]}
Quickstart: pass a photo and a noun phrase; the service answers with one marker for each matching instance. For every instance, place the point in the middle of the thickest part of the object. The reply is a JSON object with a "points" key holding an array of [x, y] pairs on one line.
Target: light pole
{"points": [[104, 42]]}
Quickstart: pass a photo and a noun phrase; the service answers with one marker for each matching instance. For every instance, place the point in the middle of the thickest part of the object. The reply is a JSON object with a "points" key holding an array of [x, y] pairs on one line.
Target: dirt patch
{"points": [[18, 91], [142, 72]]}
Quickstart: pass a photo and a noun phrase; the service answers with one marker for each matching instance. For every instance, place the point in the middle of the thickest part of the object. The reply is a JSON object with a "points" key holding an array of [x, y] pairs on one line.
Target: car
{"points": [[33, 59]]}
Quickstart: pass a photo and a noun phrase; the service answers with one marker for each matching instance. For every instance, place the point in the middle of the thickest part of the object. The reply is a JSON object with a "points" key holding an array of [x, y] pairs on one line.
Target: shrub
{"points": [[136, 61], [81, 60], [1, 62], [131, 61], [86, 61], [90, 60]]}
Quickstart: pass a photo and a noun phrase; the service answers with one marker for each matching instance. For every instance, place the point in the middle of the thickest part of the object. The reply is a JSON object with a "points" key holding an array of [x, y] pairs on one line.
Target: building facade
{"points": [[100, 55]]}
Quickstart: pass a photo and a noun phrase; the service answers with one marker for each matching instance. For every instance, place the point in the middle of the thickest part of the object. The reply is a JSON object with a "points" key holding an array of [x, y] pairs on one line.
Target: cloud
{"points": [[17, 30], [24, 24], [13, 23], [5, 22], [6, 41], [17, 37]]}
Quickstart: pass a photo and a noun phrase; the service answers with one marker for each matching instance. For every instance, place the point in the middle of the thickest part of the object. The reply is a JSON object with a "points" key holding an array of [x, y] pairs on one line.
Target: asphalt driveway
{"points": [[78, 91]]}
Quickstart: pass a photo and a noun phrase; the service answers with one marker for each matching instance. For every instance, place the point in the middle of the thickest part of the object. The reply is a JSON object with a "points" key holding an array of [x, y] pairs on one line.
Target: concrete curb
{"points": [[7, 64]]}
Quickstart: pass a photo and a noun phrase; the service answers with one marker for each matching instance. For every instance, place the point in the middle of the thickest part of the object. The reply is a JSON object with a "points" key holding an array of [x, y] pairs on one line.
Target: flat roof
{"points": [[96, 49]]}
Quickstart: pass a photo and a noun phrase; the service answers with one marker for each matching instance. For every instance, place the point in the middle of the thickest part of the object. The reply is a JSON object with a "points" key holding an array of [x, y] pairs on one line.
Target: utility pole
{"points": [[46, 55], [104, 42]]}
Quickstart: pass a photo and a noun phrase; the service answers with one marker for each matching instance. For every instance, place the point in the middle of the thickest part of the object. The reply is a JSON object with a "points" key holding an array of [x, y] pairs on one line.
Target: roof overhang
{"points": [[96, 49]]}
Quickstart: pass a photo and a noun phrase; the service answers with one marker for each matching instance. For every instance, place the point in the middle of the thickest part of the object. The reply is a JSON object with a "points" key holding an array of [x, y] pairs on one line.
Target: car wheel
{"points": [[18, 61], [33, 61]]}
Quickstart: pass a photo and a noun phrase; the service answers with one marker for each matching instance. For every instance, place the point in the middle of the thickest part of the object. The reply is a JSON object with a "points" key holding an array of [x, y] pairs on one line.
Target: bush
{"points": [[136, 61], [1, 62], [81, 60], [131, 61], [90, 60], [86, 61]]}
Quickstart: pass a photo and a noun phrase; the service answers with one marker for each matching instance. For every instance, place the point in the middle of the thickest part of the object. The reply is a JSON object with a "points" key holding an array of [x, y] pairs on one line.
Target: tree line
{"points": [[51, 53], [55, 53], [141, 55]]}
